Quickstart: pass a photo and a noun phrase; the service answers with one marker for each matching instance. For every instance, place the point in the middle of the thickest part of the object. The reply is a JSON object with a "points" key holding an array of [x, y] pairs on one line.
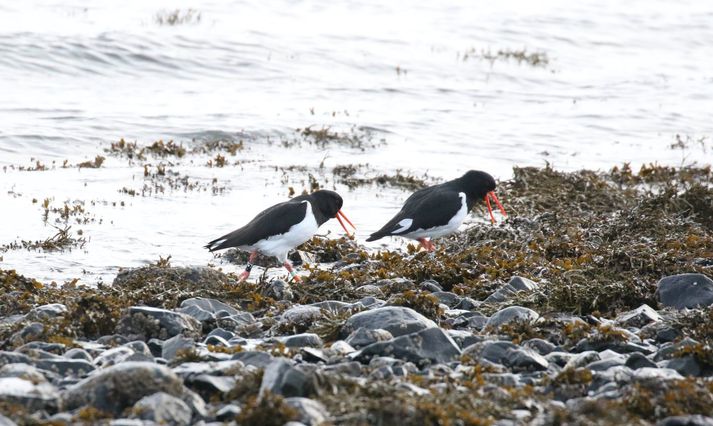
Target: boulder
{"points": [[397, 320], [685, 291]]}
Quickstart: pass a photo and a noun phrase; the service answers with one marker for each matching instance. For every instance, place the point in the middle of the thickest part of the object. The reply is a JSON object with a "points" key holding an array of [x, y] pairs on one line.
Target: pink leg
{"points": [[246, 273], [426, 244], [291, 271]]}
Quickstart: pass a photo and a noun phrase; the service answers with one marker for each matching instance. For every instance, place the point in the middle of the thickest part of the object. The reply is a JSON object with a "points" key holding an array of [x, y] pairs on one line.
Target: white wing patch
{"points": [[404, 225]]}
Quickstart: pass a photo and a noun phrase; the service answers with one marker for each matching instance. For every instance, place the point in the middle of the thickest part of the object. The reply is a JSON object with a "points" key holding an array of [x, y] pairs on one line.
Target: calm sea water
{"points": [[621, 80]]}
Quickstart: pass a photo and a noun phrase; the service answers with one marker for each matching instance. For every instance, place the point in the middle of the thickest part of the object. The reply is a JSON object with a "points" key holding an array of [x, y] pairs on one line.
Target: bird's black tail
{"points": [[218, 243]]}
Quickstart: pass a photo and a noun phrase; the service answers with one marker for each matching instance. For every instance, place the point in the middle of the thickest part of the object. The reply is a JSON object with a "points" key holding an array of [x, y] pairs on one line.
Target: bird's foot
{"points": [[244, 276], [291, 273], [426, 244]]}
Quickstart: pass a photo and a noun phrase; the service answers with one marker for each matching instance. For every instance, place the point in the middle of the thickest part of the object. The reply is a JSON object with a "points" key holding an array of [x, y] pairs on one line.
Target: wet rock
{"points": [[507, 354], [280, 377], [162, 408], [467, 303], [48, 349], [690, 420], [340, 347], [113, 340], [175, 346], [432, 345], [334, 306], [655, 374], [46, 312], [155, 346], [35, 396], [430, 285], [311, 412], [397, 320], [23, 371], [686, 366], [113, 356], [685, 291], [78, 353], [582, 359], [511, 314], [447, 298], [254, 358], [541, 346], [278, 290], [300, 316], [638, 317], [7, 357], [637, 360], [364, 337], [370, 289], [211, 306], [216, 341], [302, 340], [144, 322], [559, 358], [115, 388], [370, 302], [64, 367], [221, 332], [227, 413], [29, 333], [515, 285]]}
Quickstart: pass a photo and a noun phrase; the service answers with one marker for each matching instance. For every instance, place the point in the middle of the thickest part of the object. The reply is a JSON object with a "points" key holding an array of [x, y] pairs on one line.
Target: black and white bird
{"points": [[439, 210], [280, 228]]}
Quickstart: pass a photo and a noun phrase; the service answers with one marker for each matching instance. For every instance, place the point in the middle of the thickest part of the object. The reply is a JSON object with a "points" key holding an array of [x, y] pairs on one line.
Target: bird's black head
{"points": [[327, 203], [477, 184]]}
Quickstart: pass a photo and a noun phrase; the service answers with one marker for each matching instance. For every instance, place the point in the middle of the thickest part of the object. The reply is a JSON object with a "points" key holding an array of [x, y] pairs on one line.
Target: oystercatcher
{"points": [[280, 228], [440, 209]]}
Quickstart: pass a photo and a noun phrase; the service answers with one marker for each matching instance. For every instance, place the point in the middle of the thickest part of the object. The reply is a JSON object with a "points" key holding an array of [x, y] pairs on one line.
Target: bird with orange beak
{"points": [[439, 210], [282, 227]]}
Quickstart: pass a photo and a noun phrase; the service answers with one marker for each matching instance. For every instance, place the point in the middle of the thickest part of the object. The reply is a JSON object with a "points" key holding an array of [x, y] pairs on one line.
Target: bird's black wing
{"points": [[274, 220], [427, 208]]}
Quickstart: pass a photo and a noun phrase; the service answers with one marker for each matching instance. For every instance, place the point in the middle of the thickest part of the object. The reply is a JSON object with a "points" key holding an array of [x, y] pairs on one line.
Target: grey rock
{"points": [[45, 312], [432, 345], [44, 347], [515, 285], [4, 421], [112, 340], [582, 359], [397, 320], [139, 346], [113, 356], [369, 289], [467, 303], [430, 285], [278, 290], [300, 316], [511, 314], [605, 364], [689, 420], [144, 322], [638, 317], [685, 291], [212, 306], [7, 357], [255, 358], [162, 408], [221, 332], [507, 354], [655, 374], [364, 337], [23, 371], [78, 353], [29, 333], [64, 367], [208, 385], [636, 360], [334, 306], [686, 366], [280, 377], [115, 388], [370, 302], [175, 345], [311, 412], [541, 346], [559, 358], [302, 340], [447, 298], [155, 346], [228, 413], [340, 347], [35, 396], [216, 341]]}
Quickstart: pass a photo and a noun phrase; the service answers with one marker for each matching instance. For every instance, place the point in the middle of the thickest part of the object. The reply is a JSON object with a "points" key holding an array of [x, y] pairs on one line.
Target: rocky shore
{"points": [[592, 304]]}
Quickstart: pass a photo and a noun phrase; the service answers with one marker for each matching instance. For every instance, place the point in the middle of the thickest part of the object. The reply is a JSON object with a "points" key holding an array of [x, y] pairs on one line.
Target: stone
{"points": [[23, 371], [342, 348], [638, 317], [278, 290], [364, 337], [655, 375], [221, 332], [35, 396], [688, 420], [162, 408], [176, 345], [637, 360], [302, 340], [300, 316], [120, 386], [686, 365], [228, 413], [255, 358], [582, 359], [212, 306], [65, 367], [432, 345], [280, 377], [507, 354], [45, 312], [511, 314], [7, 357], [515, 285], [113, 356], [397, 320], [78, 353], [4, 421], [685, 291], [541, 346], [28, 333], [430, 285], [311, 412], [447, 298], [334, 306], [208, 385], [145, 322]]}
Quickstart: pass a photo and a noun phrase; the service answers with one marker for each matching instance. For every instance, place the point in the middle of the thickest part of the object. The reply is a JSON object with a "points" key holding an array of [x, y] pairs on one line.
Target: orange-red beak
{"points": [[341, 216], [497, 202]]}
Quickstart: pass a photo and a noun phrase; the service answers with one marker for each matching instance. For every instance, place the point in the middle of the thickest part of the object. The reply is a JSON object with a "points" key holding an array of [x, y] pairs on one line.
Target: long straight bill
{"points": [[341, 216], [500, 206], [490, 209]]}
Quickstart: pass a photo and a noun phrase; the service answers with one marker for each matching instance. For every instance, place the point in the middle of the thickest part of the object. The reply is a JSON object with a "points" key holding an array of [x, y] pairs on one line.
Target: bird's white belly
{"points": [[280, 245], [449, 228]]}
